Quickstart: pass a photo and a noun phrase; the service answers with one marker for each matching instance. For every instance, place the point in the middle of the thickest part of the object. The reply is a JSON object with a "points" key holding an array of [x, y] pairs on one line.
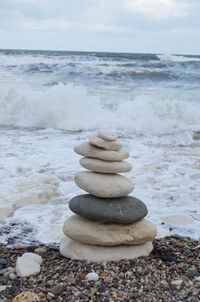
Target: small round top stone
{"points": [[107, 135]]}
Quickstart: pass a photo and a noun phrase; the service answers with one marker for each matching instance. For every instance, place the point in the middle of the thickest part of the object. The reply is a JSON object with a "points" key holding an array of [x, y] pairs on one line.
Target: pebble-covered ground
{"points": [[170, 273]]}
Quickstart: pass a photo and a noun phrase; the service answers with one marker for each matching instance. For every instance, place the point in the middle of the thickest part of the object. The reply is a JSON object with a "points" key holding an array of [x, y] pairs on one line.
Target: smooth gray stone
{"points": [[126, 209]]}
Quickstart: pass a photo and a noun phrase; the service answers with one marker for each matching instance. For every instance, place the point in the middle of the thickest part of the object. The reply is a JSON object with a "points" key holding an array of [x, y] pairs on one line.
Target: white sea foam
{"points": [[155, 118], [166, 176], [176, 58], [21, 60], [73, 108]]}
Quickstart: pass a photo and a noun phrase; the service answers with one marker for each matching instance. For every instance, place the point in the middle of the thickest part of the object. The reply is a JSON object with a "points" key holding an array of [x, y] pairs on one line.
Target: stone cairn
{"points": [[108, 224]]}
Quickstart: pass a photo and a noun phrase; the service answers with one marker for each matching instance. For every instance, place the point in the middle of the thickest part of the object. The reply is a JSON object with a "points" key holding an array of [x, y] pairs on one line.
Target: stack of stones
{"points": [[108, 224]]}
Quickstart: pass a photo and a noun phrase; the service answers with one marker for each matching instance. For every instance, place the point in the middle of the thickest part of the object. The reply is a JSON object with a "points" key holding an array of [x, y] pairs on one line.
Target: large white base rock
{"points": [[75, 250]]}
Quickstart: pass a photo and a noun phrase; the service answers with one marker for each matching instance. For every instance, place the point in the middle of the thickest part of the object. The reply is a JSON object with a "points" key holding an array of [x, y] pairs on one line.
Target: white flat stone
{"points": [[86, 149], [28, 264], [101, 143], [108, 234], [104, 185], [107, 135], [75, 250], [92, 276], [101, 166]]}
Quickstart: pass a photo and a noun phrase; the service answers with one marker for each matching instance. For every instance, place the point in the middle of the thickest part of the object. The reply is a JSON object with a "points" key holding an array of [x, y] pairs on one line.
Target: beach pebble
{"points": [[111, 234], [2, 271], [177, 282], [16, 246], [92, 276], [107, 135], [165, 284], [3, 287], [40, 251], [126, 209], [57, 290], [104, 185], [101, 166], [13, 276], [101, 143], [75, 250], [26, 296], [192, 273], [86, 149], [3, 262], [11, 269], [28, 264]]}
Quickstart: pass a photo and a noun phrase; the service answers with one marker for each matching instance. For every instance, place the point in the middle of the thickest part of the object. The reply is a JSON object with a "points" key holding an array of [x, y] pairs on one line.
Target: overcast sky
{"points": [[148, 26]]}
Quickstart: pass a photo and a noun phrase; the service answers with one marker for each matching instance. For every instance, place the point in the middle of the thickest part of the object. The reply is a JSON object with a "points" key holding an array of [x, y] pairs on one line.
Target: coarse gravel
{"points": [[170, 274]]}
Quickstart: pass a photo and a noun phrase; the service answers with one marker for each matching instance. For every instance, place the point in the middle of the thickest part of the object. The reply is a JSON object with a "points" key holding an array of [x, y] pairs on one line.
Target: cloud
{"points": [[158, 9], [120, 25], [49, 25], [58, 25]]}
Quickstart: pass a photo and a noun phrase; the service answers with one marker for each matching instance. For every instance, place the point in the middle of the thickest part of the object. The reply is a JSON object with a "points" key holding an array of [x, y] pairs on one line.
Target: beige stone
{"points": [[86, 149], [101, 166], [107, 135], [108, 234], [101, 143], [75, 250], [104, 185], [26, 296]]}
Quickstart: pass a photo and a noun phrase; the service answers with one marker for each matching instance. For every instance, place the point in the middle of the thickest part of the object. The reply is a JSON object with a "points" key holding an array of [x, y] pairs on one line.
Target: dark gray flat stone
{"points": [[126, 209]]}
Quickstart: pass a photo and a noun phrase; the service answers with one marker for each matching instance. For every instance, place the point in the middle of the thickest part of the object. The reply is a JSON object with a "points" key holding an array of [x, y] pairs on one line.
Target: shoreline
{"points": [[170, 273]]}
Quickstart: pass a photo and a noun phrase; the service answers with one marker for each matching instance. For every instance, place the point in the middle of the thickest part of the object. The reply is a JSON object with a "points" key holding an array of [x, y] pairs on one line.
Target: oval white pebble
{"points": [[92, 276]]}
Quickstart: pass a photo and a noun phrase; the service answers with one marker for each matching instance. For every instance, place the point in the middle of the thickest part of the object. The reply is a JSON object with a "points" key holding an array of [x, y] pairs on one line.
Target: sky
{"points": [[147, 26]]}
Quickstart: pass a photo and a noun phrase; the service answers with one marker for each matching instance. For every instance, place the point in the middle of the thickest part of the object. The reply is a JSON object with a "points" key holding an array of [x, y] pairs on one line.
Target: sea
{"points": [[51, 101]]}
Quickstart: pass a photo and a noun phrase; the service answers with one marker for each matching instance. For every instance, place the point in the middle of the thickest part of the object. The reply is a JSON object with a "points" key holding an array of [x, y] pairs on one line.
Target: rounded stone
{"points": [[101, 143], [103, 185], [107, 135], [101, 166], [108, 234], [75, 250], [86, 149], [26, 296], [126, 209]]}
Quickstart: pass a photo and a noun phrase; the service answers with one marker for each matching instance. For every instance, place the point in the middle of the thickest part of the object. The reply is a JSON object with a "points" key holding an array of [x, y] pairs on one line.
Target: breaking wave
{"points": [[176, 58], [73, 108]]}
